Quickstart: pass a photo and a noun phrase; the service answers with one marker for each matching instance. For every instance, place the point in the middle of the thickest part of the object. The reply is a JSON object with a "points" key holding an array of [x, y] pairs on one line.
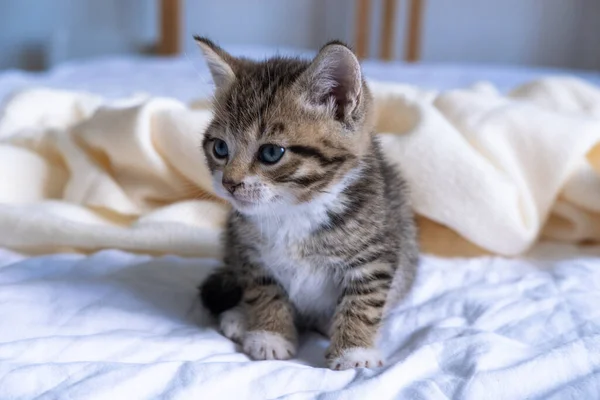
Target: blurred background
{"points": [[40, 34]]}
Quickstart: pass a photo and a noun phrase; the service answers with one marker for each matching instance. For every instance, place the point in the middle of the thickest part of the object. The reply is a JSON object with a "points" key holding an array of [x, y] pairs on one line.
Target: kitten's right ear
{"points": [[334, 79], [220, 63]]}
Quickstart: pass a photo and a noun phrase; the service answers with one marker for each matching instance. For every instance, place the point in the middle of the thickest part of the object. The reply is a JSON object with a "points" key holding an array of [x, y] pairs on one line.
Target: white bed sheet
{"points": [[122, 326]]}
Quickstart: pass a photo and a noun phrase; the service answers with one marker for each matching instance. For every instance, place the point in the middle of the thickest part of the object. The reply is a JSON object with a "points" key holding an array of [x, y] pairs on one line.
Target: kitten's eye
{"points": [[220, 148], [270, 153]]}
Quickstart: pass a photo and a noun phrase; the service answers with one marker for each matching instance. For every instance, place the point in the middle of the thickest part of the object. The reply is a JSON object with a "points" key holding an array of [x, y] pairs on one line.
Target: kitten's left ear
{"points": [[334, 79], [220, 63]]}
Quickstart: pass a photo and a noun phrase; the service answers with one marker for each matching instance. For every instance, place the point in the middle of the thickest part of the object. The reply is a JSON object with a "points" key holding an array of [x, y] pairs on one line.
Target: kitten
{"points": [[321, 234]]}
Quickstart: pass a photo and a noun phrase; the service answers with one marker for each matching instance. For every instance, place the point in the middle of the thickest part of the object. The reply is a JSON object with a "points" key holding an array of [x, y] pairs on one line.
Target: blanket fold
{"points": [[489, 172]]}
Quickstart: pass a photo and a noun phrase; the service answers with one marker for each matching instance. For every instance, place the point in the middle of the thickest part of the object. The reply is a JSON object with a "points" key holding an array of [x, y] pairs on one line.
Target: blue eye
{"points": [[220, 148], [270, 153]]}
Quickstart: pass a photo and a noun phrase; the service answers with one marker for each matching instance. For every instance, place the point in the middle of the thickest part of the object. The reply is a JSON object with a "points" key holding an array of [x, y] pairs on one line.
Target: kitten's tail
{"points": [[220, 291]]}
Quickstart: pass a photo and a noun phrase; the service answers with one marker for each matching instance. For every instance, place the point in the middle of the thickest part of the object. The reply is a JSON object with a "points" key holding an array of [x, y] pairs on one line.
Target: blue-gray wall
{"points": [[564, 33]]}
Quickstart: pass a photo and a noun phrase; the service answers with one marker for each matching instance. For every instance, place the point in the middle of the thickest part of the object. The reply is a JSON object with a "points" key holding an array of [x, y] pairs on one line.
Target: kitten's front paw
{"points": [[263, 345], [233, 324], [358, 357]]}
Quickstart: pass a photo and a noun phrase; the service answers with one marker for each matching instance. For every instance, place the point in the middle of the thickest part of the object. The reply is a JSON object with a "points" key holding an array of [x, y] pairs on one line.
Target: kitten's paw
{"points": [[233, 324], [358, 357], [263, 345]]}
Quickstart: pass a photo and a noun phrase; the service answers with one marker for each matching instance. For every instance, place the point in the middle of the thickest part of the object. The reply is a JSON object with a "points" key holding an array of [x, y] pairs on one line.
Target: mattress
{"points": [[115, 325], [186, 77]]}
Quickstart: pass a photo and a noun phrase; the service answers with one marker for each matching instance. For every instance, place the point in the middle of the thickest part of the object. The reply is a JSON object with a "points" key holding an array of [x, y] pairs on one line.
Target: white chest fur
{"points": [[313, 291], [309, 282]]}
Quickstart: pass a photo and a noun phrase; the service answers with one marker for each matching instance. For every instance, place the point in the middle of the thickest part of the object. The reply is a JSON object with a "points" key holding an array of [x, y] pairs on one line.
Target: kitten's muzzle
{"points": [[231, 185]]}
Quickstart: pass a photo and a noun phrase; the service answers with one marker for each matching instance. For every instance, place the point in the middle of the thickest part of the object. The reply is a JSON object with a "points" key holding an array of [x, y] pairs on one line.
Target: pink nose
{"points": [[231, 185]]}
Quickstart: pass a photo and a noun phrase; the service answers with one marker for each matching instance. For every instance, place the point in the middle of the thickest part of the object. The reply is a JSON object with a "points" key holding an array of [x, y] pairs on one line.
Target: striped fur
{"points": [[322, 239]]}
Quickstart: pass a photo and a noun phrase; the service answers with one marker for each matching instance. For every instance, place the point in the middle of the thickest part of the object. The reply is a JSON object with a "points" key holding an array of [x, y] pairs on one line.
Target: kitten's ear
{"points": [[220, 63], [334, 79]]}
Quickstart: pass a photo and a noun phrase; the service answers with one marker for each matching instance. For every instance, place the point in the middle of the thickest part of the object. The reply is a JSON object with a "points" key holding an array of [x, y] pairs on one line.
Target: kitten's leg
{"points": [[358, 317], [233, 323], [221, 294], [271, 330]]}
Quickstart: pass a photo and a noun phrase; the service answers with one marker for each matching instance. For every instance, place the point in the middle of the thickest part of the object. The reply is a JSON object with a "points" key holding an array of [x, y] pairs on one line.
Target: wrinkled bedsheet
{"points": [[115, 325]]}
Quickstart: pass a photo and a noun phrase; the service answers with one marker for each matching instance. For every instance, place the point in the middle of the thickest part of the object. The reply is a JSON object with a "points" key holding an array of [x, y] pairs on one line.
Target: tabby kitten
{"points": [[321, 235]]}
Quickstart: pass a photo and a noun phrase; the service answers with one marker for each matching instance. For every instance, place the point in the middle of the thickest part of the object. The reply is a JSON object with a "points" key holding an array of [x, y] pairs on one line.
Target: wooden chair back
{"points": [[170, 14], [388, 18]]}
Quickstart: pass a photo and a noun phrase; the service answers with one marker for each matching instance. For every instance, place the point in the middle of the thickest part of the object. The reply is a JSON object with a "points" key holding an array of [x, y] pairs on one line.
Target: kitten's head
{"points": [[285, 131]]}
